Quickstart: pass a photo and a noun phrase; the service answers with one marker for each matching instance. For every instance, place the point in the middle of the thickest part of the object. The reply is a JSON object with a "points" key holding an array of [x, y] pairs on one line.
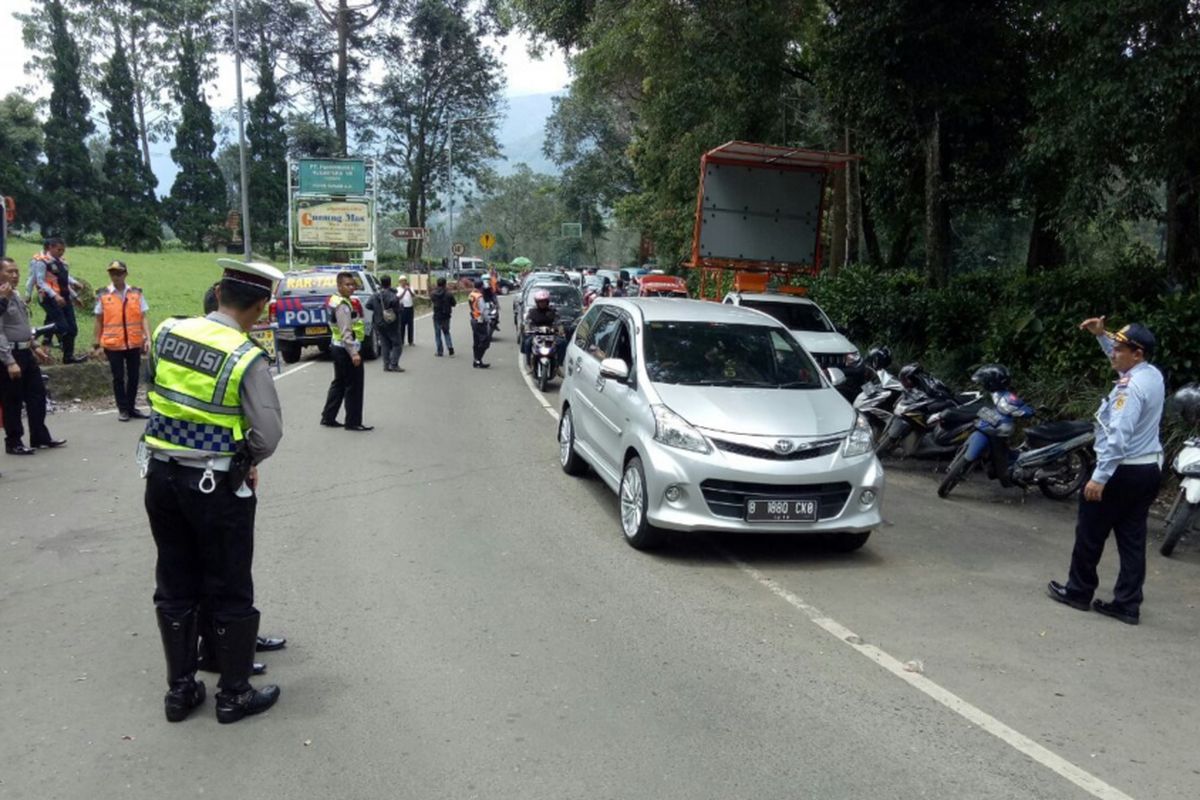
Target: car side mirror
{"points": [[836, 376], [614, 369]]}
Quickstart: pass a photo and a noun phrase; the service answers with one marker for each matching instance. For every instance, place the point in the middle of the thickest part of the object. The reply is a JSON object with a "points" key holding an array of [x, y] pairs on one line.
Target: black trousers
{"points": [[347, 386], [481, 333], [406, 324], [205, 544], [125, 365], [1122, 510], [63, 320], [28, 392]]}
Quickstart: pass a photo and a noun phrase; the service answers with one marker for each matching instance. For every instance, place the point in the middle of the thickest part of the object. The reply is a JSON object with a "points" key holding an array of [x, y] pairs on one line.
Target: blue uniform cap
{"points": [[1136, 335]]}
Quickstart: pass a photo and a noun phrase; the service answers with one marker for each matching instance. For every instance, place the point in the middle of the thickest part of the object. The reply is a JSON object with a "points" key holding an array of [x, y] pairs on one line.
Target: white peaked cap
{"points": [[252, 273]]}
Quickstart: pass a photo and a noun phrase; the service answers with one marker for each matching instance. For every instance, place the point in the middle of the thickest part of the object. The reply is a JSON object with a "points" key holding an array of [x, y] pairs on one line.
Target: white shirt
{"points": [[406, 297]]}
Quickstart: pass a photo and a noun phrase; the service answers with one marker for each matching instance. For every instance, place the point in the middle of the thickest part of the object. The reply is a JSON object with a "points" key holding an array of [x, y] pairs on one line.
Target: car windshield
{"points": [[721, 354], [796, 316], [564, 299]]}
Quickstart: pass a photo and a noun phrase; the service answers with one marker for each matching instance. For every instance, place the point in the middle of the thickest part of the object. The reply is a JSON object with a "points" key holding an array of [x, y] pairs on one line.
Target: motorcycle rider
{"points": [[1125, 481], [542, 315]]}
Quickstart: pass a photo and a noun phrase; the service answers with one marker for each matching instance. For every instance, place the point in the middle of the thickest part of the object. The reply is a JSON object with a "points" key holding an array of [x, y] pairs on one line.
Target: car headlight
{"points": [[673, 430], [853, 359], [859, 441]]}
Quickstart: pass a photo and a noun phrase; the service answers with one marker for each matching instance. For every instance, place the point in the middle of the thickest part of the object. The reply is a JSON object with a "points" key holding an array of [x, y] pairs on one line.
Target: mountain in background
{"points": [[521, 135]]}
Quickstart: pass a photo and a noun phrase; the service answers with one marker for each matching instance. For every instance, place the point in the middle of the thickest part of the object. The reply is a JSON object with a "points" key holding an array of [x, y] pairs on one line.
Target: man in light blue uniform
{"points": [[1126, 478]]}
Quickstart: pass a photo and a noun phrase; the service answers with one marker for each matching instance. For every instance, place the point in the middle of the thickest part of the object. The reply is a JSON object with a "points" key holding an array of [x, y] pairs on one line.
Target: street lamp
{"points": [[450, 154], [245, 179]]}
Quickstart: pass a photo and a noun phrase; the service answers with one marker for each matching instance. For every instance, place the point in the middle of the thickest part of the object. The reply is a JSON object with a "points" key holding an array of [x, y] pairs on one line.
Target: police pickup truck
{"points": [[298, 309]]}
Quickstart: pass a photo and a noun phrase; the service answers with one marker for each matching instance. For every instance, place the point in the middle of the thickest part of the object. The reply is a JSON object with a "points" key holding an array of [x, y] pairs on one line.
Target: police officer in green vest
{"points": [[214, 417], [347, 331]]}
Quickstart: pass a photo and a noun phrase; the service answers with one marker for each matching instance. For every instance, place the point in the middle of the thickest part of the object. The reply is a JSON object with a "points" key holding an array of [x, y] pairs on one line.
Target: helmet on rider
{"points": [[478, 283], [1187, 400], [908, 375], [879, 358], [993, 377], [542, 298]]}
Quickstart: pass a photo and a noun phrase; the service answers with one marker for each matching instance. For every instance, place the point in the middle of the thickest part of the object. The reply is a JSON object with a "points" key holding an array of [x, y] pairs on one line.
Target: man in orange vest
{"points": [[123, 333], [51, 275], [481, 326]]}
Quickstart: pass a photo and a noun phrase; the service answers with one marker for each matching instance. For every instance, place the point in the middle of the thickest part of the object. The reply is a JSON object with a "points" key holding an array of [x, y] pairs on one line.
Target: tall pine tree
{"points": [[197, 201], [69, 183], [267, 141], [130, 217]]}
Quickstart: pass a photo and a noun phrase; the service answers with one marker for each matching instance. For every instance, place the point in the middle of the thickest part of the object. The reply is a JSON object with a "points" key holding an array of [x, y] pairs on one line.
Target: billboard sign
{"points": [[336, 176], [325, 224]]}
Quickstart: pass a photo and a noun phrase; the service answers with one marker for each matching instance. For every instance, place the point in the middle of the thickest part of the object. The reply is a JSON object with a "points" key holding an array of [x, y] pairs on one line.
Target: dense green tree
{"points": [[20, 149], [69, 183], [1119, 112], [196, 204], [441, 79], [267, 143], [130, 217]]}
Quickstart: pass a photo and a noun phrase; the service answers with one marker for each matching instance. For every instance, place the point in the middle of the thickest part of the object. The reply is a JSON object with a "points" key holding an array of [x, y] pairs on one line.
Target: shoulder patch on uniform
{"points": [[1120, 402]]}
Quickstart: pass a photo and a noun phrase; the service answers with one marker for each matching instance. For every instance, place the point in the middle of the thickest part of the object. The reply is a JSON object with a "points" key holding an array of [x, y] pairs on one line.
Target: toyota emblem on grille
{"points": [[783, 446]]}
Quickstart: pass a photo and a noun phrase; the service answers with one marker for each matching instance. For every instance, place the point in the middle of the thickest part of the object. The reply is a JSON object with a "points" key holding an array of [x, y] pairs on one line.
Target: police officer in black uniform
{"points": [[215, 416]]}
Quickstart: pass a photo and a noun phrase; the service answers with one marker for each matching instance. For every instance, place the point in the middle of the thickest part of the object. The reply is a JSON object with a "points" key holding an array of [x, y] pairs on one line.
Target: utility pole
{"points": [[237, 71], [450, 159]]}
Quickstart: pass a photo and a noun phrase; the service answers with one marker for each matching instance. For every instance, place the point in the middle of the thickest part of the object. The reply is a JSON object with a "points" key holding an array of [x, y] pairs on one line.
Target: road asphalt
{"points": [[465, 621]]}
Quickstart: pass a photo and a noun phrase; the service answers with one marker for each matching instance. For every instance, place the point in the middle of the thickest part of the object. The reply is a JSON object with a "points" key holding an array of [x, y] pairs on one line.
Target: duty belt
{"points": [[22, 345]]}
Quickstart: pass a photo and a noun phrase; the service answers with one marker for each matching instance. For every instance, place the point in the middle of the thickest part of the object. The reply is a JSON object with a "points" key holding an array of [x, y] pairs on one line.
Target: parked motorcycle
{"points": [[929, 420], [1055, 456], [876, 400], [544, 349], [1186, 508]]}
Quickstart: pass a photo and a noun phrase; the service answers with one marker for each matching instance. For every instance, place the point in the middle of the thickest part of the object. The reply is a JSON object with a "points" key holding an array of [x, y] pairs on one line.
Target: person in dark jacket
{"points": [[443, 301], [386, 307]]}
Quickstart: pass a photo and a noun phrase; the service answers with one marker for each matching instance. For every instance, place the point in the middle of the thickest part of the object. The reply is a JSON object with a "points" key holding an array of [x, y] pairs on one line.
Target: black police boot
{"points": [[235, 643], [179, 645], [207, 662]]}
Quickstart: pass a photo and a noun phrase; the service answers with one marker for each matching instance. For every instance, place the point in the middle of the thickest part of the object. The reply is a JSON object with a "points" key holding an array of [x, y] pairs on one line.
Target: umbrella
{"points": [[521, 261]]}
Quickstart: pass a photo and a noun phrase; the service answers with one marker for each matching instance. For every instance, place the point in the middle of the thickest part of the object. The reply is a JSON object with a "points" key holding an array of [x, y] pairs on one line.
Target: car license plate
{"points": [[316, 330], [769, 510]]}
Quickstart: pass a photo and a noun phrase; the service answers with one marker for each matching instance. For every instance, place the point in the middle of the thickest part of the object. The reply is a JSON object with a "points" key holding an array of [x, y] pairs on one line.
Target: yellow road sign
{"points": [[487, 241]]}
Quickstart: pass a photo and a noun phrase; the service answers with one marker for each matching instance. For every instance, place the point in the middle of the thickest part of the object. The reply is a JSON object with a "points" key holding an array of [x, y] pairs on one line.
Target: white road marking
{"points": [[294, 369], [976, 716], [541, 398]]}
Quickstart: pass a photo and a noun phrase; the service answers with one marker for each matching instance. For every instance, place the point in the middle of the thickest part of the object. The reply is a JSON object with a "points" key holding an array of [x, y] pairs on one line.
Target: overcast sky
{"points": [[525, 76]]}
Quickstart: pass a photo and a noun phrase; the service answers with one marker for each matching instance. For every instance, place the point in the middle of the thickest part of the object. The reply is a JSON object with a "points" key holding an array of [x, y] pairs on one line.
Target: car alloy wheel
{"points": [[639, 533], [570, 461], [633, 496]]}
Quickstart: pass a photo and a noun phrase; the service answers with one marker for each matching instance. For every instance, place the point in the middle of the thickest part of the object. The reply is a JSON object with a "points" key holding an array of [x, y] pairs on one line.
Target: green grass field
{"points": [[174, 282]]}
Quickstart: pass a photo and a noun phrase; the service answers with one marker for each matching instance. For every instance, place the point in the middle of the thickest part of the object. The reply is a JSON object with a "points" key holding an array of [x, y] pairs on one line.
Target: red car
{"points": [[662, 286]]}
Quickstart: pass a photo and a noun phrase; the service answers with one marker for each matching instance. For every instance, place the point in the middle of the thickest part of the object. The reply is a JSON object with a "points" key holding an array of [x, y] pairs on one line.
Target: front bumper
{"points": [[712, 489]]}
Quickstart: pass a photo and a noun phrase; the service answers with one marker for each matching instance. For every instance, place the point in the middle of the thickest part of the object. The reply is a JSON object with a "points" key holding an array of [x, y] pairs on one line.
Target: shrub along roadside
{"points": [[1029, 323]]}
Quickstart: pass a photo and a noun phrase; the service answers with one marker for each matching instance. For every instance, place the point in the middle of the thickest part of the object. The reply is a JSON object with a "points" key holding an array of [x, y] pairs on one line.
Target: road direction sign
{"points": [[411, 234], [458, 249], [487, 241], [334, 176]]}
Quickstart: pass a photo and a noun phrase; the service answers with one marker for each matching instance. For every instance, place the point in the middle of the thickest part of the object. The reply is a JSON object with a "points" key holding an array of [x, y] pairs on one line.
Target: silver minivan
{"points": [[707, 417]]}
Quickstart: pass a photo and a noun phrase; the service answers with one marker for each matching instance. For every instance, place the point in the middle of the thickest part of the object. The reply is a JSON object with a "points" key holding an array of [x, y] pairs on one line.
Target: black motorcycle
{"points": [[929, 420], [544, 347], [876, 401], [1055, 456]]}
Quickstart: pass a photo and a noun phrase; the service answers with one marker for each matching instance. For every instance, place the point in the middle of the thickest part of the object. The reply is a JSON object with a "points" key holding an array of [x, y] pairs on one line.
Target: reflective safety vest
{"points": [[476, 301], [195, 401], [121, 320], [51, 276], [357, 326]]}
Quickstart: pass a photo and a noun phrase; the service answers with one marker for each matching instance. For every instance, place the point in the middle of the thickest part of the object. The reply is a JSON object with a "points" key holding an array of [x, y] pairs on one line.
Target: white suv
{"points": [[812, 328]]}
